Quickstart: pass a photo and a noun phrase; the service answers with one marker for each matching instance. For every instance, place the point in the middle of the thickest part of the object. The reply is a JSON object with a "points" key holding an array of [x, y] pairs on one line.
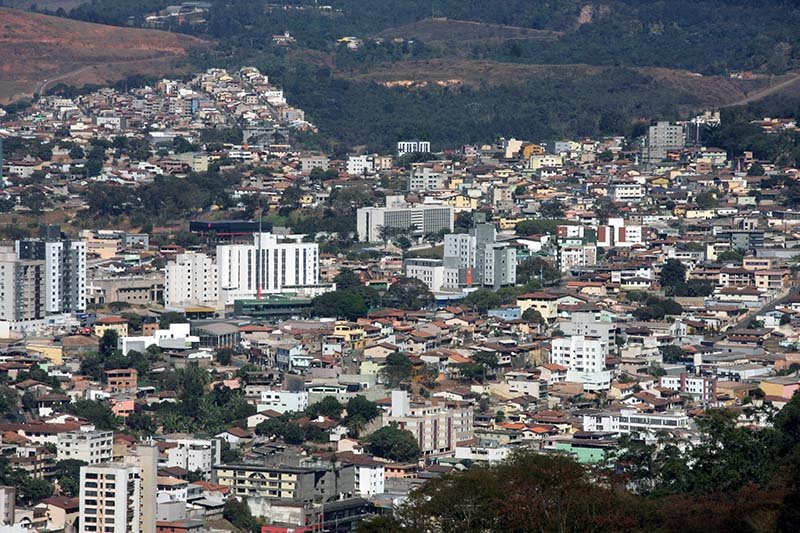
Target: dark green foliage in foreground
{"points": [[739, 480]]}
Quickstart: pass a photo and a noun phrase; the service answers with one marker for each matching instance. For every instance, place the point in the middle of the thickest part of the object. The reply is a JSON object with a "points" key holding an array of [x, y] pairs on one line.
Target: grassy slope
{"points": [[36, 47]]}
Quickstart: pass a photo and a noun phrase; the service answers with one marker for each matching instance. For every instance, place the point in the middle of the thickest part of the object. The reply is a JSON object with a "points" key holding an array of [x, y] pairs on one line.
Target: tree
{"points": [[193, 380], [36, 201], [224, 356], [408, 293], [552, 209], [606, 156], [108, 342], [76, 152], [537, 226], [536, 268], [533, 315], [271, 427], [290, 200], [347, 279], [673, 273], [393, 443], [671, 353], [329, 406], [756, 169], [360, 406], [293, 433], [238, 514], [482, 300], [169, 318], [396, 370], [656, 308], [347, 304], [34, 490], [707, 199], [96, 412], [138, 421], [67, 472], [9, 400], [528, 492], [735, 256]]}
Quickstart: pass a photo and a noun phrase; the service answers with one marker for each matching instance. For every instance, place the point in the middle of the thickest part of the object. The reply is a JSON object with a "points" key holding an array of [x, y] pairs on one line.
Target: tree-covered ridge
{"points": [[709, 37]]}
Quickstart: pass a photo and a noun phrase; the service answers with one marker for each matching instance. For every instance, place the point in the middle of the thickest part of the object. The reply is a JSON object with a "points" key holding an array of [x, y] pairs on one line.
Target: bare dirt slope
{"points": [[36, 50]]}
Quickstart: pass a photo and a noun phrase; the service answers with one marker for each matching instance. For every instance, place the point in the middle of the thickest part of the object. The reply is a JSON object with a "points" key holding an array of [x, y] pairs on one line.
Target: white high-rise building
{"points": [[191, 279], [110, 498], [419, 220], [585, 360], [65, 272], [273, 264], [91, 447]]}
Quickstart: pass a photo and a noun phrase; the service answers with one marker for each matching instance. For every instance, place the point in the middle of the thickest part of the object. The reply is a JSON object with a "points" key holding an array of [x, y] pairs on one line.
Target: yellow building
{"points": [[370, 368], [350, 333], [545, 303], [509, 223], [116, 323], [461, 202], [51, 352], [532, 149]]}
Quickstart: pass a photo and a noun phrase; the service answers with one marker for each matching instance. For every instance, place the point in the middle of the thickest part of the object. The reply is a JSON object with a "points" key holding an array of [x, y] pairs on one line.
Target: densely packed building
{"points": [[330, 331]]}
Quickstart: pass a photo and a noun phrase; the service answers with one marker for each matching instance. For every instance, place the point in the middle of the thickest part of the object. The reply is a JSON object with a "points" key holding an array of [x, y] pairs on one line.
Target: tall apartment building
{"points": [[65, 271], [499, 266], [482, 260], [663, 137], [397, 214], [585, 360], [272, 264], [110, 498], [191, 279], [437, 427], [91, 447], [22, 288]]}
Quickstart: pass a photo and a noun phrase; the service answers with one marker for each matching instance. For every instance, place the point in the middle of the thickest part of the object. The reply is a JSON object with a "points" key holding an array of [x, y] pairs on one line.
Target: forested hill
{"points": [[709, 36], [459, 71]]}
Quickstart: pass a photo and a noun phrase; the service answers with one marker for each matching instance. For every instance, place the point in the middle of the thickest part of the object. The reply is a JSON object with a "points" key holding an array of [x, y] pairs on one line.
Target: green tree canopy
{"points": [[393, 443], [408, 293], [396, 370]]}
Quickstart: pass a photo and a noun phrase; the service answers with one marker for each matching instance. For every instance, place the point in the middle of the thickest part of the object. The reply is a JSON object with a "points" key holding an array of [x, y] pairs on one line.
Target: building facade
{"points": [[191, 279], [110, 498], [91, 447], [270, 265], [418, 220]]}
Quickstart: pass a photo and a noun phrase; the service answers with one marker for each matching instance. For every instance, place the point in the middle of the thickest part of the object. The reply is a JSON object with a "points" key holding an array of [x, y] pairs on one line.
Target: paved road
{"points": [[765, 309], [43, 85], [758, 95]]}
